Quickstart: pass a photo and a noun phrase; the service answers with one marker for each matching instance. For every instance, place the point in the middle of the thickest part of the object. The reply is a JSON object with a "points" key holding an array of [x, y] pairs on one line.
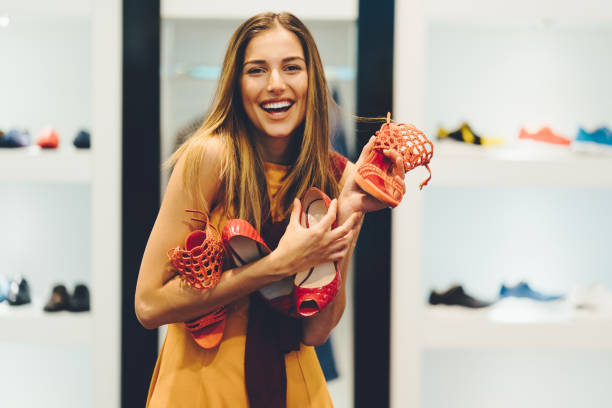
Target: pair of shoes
{"points": [[61, 300], [375, 175], [48, 138], [200, 265], [456, 296], [19, 292], [522, 290], [15, 138], [465, 134], [545, 135], [304, 294]]}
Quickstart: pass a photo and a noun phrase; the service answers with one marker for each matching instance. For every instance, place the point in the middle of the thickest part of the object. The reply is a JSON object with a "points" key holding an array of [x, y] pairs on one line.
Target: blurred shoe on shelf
{"points": [[82, 140], [48, 138], [4, 288], [59, 300], [79, 301], [544, 135], [456, 296], [19, 292], [591, 298], [522, 290], [599, 141], [465, 134], [15, 138]]}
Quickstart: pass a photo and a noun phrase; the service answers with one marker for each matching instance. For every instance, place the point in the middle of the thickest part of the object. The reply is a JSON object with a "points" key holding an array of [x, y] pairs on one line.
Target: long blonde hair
{"points": [[244, 187]]}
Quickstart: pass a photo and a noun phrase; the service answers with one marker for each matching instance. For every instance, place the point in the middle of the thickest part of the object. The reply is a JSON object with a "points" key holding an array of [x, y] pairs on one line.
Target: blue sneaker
{"points": [[4, 288], [600, 139], [522, 290]]}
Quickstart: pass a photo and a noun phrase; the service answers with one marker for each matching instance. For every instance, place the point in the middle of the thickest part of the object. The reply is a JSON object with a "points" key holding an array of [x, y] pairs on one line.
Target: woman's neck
{"points": [[278, 150]]}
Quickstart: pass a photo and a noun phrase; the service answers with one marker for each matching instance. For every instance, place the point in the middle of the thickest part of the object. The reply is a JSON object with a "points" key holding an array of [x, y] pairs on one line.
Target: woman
{"points": [[263, 145]]}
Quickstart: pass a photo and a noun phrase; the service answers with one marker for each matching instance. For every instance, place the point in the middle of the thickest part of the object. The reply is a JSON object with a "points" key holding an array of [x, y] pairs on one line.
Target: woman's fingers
{"points": [[294, 218], [398, 160], [328, 219], [365, 152]]}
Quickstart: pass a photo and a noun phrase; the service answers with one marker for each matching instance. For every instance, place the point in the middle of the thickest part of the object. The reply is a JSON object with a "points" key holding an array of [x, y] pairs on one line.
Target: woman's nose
{"points": [[275, 82]]}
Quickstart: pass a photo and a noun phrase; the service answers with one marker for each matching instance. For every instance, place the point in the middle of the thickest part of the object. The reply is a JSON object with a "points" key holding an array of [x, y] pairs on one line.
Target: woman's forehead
{"points": [[275, 44]]}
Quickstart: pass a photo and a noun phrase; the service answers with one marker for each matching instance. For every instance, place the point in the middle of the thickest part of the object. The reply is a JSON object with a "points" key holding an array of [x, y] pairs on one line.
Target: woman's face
{"points": [[274, 82]]}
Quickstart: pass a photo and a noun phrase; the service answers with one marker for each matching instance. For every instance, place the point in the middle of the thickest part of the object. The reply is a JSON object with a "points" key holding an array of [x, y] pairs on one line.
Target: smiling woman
{"points": [[263, 145]]}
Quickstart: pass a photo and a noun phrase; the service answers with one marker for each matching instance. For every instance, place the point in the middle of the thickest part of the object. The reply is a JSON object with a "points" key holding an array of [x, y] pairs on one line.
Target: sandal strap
{"points": [[206, 320], [369, 169]]}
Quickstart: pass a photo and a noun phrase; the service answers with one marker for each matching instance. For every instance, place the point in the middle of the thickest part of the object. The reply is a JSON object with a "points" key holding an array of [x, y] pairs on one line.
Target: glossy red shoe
{"points": [[245, 245], [375, 176], [317, 287], [200, 265], [48, 138]]}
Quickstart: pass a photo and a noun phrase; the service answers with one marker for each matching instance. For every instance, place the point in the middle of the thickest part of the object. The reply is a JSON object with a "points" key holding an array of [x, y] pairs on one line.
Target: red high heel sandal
{"points": [[200, 264], [375, 176], [316, 287], [245, 245]]}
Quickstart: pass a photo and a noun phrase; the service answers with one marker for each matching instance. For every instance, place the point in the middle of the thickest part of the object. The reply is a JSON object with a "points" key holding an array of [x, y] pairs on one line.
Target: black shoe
{"points": [[455, 296], [82, 140], [19, 292], [79, 301], [59, 300]]}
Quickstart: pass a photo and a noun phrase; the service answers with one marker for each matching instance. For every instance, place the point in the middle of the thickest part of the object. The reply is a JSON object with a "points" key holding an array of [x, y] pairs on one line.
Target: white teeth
{"points": [[276, 105]]}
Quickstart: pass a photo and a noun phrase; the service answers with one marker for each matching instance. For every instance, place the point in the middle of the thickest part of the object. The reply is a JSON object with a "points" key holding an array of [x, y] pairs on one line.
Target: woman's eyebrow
{"points": [[260, 61]]}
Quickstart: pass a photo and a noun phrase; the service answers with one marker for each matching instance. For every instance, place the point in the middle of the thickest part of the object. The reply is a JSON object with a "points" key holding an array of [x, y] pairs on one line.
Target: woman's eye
{"points": [[254, 71], [293, 68]]}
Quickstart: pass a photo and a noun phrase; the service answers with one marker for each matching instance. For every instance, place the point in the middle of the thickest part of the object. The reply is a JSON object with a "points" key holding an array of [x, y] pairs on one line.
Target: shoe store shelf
{"points": [[241, 9], [46, 9], [456, 328], [456, 164], [30, 324], [35, 164]]}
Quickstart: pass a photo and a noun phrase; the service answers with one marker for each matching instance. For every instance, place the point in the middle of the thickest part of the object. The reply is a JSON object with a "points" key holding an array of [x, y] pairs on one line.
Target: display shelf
{"points": [[30, 324], [453, 327], [38, 165], [313, 10], [56, 8], [520, 12], [456, 164]]}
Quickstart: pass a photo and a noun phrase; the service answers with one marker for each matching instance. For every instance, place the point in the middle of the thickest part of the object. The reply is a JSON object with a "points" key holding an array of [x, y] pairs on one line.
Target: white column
{"points": [[406, 266], [106, 202]]}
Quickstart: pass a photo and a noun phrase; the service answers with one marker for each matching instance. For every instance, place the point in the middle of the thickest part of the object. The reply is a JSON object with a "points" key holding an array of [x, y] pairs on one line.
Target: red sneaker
{"points": [[245, 245], [375, 176], [545, 135], [316, 287], [48, 138]]}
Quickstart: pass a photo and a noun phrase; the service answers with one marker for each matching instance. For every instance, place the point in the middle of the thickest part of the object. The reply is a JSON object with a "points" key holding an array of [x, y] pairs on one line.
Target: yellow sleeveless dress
{"points": [[187, 375]]}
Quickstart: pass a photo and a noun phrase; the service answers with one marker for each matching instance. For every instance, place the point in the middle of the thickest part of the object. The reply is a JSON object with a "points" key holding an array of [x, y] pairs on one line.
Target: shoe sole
{"points": [[372, 190]]}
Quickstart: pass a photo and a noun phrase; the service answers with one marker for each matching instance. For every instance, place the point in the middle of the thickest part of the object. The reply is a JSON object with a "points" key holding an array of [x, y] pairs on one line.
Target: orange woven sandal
{"points": [[200, 264], [376, 177]]}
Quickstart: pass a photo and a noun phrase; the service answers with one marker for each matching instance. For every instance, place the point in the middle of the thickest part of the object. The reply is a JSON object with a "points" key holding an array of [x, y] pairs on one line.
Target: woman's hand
{"points": [[302, 248], [354, 199]]}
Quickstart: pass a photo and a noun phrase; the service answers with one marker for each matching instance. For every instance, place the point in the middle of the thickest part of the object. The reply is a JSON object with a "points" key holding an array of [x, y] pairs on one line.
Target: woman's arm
{"points": [[352, 202], [162, 297]]}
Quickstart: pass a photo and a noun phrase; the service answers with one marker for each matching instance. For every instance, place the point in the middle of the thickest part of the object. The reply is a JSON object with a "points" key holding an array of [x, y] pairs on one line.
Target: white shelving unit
{"points": [[93, 338], [417, 329], [35, 164], [28, 324], [462, 328]]}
